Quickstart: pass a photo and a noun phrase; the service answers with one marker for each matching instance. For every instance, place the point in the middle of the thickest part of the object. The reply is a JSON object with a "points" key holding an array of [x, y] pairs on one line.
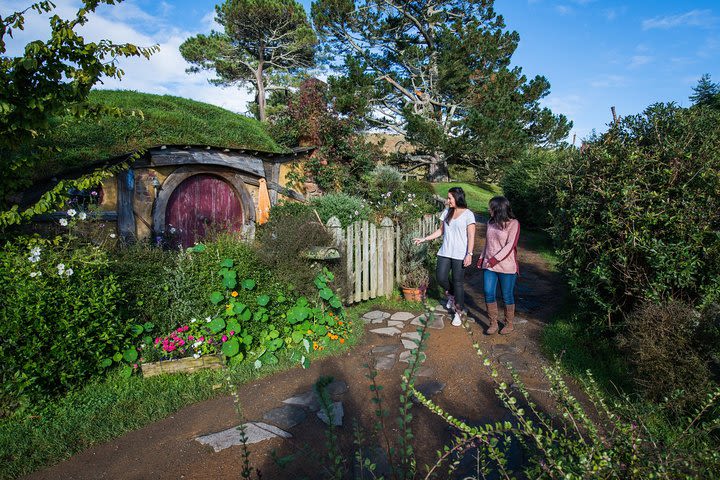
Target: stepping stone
{"points": [[375, 315], [307, 400], [402, 316], [254, 431], [519, 364], [378, 320], [337, 413], [388, 331], [386, 362], [437, 323], [430, 388], [424, 371], [409, 344], [405, 356], [337, 387], [385, 349], [411, 335], [286, 416], [396, 323], [503, 348], [441, 308]]}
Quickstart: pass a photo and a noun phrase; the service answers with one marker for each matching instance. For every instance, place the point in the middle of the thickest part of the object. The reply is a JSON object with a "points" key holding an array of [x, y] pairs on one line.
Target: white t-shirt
{"points": [[455, 239]]}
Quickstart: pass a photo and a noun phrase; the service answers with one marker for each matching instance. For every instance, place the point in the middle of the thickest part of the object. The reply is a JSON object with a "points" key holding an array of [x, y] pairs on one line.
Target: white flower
{"points": [[34, 274], [35, 252], [60, 268], [63, 222], [34, 258], [357, 213], [69, 272], [112, 235], [193, 320], [208, 319], [197, 344], [196, 355], [71, 213], [82, 215]]}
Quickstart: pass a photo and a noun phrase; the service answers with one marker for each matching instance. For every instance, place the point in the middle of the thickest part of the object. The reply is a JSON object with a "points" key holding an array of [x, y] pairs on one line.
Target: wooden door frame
{"points": [[233, 178]]}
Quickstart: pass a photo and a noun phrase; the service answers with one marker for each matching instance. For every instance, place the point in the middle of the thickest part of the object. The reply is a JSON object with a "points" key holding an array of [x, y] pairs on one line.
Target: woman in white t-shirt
{"points": [[457, 228]]}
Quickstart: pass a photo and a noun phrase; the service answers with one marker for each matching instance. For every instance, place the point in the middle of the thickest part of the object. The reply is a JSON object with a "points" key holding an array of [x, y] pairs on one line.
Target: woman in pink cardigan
{"points": [[499, 262]]}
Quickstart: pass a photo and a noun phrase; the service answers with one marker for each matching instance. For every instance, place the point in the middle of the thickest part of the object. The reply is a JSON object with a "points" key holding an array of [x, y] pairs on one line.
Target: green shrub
{"points": [[639, 211], [289, 209], [528, 183], [59, 320], [346, 208]]}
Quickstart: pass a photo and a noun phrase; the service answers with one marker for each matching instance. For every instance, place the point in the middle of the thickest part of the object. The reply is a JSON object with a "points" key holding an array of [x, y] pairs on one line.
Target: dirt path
{"points": [[168, 449]]}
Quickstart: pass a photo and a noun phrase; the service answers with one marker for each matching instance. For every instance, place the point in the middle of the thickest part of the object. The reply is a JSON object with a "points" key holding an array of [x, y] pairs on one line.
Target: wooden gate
{"points": [[202, 203]]}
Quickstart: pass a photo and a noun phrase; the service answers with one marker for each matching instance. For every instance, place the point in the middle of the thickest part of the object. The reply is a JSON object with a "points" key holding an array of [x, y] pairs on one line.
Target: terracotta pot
{"points": [[182, 365], [413, 294]]}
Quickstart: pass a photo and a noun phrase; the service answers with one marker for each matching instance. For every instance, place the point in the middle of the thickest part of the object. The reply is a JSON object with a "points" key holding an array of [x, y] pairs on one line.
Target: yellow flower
{"points": [[234, 294], [309, 332], [315, 346]]}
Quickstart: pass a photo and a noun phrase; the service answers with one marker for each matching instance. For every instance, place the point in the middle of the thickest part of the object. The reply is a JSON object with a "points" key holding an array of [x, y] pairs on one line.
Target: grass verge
{"points": [[477, 195], [106, 409]]}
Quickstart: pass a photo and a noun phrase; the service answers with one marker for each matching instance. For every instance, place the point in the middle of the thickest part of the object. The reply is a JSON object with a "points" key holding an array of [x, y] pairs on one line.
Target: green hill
{"points": [[165, 120]]}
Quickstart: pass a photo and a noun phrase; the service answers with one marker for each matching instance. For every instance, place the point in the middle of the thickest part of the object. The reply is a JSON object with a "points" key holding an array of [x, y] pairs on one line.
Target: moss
{"points": [[164, 120]]}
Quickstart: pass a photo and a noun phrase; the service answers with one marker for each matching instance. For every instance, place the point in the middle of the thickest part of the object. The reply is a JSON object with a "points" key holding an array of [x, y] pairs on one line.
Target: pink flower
{"points": [[224, 338], [180, 329], [157, 340], [191, 337], [202, 339], [135, 365], [232, 332], [181, 342], [185, 328]]}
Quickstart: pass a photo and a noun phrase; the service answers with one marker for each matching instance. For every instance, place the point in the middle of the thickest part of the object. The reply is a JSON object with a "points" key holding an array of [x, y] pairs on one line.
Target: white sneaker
{"points": [[457, 321], [450, 305]]}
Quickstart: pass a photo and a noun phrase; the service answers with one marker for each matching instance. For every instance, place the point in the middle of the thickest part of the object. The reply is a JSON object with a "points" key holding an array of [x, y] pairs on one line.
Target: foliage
{"points": [[706, 93], [60, 323], [477, 195], [31, 92], [668, 347], [342, 156], [638, 211], [529, 184], [389, 196], [413, 272], [262, 40], [348, 209], [439, 73]]}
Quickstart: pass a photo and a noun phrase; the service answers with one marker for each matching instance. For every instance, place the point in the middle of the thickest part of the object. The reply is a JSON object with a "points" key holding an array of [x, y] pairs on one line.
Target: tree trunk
{"points": [[438, 169], [260, 98]]}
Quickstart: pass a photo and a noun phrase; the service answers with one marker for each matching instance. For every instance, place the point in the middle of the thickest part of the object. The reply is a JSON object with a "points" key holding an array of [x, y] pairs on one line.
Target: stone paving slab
{"points": [[337, 414], [385, 349], [411, 335], [386, 362], [285, 417], [255, 431], [388, 331], [409, 344], [405, 356], [377, 321], [402, 316], [437, 323], [375, 315], [396, 323], [337, 387], [307, 400], [425, 371]]}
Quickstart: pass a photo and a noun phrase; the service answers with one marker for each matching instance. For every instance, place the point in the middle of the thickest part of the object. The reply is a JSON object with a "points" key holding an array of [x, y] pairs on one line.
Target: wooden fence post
{"points": [[335, 228], [388, 255]]}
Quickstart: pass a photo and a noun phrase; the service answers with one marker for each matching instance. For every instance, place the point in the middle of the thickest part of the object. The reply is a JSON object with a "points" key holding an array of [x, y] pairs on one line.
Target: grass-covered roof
{"points": [[165, 120]]}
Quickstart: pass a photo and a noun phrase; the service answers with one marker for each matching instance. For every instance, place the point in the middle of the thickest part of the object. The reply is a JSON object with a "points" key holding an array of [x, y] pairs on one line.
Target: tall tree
{"points": [[706, 92], [263, 42], [50, 78], [441, 75]]}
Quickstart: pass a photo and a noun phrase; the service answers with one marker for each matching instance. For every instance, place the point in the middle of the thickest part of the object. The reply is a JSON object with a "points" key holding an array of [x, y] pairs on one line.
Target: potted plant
{"points": [[414, 277]]}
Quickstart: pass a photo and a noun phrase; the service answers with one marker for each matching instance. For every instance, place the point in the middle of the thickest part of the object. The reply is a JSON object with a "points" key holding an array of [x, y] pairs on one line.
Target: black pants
{"points": [[444, 265]]}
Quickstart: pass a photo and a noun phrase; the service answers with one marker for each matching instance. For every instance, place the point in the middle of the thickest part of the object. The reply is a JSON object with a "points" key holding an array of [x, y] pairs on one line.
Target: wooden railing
{"points": [[371, 253]]}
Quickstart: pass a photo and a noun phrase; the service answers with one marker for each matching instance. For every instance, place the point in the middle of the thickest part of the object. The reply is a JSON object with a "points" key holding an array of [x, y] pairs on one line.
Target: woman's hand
{"points": [[418, 241], [468, 260]]}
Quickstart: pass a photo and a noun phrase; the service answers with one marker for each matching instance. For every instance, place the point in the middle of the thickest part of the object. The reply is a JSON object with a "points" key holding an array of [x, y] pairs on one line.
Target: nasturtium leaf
{"points": [[330, 276], [106, 362], [148, 326], [239, 308], [147, 340], [247, 340], [274, 344], [130, 355], [326, 294], [137, 330], [117, 357], [319, 283], [216, 297], [274, 334], [321, 330], [248, 284], [263, 300], [297, 337], [126, 371], [233, 326], [217, 325], [229, 282], [227, 263], [335, 302], [231, 347], [269, 359], [199, 248]]}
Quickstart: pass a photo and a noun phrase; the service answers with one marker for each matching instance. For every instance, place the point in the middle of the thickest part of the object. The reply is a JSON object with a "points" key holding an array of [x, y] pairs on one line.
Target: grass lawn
{"points": [[477, 195], [109, 407]]}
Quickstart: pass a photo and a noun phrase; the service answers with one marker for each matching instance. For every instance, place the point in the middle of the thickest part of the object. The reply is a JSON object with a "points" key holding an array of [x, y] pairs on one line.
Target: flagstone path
{"points": [[282, 414]]}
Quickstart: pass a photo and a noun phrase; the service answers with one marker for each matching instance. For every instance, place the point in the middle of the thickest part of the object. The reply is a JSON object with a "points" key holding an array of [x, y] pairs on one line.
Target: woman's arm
{"points": [[436, 234], [471, 245], [513, 236]]}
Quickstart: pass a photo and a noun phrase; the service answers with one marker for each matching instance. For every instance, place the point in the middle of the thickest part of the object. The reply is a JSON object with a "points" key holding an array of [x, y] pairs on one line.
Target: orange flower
{"points": [[315, 346], [309, 332], [234, 294], [340, 323], [342, 340]]}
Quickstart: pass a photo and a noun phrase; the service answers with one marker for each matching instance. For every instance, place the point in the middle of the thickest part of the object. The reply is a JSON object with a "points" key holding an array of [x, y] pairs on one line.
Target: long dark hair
{"points": [[500, 211], [459, 195]]}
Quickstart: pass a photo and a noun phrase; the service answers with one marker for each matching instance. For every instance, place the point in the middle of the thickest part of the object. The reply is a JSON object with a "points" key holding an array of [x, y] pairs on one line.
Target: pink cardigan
{"points": [[501, 244]]}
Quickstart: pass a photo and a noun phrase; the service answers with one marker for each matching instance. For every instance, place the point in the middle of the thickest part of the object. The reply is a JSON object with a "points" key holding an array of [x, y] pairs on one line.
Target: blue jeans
{"points": [[507, 285]]}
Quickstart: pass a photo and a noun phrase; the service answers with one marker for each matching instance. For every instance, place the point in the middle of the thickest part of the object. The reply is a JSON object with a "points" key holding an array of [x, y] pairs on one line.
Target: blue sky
{"points": [[595, 53]]}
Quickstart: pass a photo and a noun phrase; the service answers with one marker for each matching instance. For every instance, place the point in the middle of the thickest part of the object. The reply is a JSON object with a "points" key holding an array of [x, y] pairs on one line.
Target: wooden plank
{"points": [[238, 161], [396, 258], [349, 250], [125, 214], [391, 276], [358, 262], [373, 261], [365, 260]]}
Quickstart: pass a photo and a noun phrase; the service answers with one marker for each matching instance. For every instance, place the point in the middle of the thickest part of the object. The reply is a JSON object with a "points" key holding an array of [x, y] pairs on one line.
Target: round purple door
{"points": [[200, 204]]}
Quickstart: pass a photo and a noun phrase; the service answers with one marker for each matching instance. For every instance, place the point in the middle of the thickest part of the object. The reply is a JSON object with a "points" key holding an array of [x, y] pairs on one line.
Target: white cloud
{"points": [[639, 60], [693, 18], [563, 9], [609, 81]]}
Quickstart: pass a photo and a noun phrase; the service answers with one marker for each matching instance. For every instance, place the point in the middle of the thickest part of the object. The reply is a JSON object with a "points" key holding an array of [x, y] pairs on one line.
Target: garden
{"points": [[102, 336]]}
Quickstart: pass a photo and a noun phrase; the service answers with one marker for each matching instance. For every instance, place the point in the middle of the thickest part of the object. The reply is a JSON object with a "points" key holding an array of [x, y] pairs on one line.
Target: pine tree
{"points": [[707, 93]]}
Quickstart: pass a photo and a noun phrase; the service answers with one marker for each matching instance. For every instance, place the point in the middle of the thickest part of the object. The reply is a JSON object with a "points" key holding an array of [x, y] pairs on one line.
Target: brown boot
{"points": [[509, 317], [492, 312]]}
